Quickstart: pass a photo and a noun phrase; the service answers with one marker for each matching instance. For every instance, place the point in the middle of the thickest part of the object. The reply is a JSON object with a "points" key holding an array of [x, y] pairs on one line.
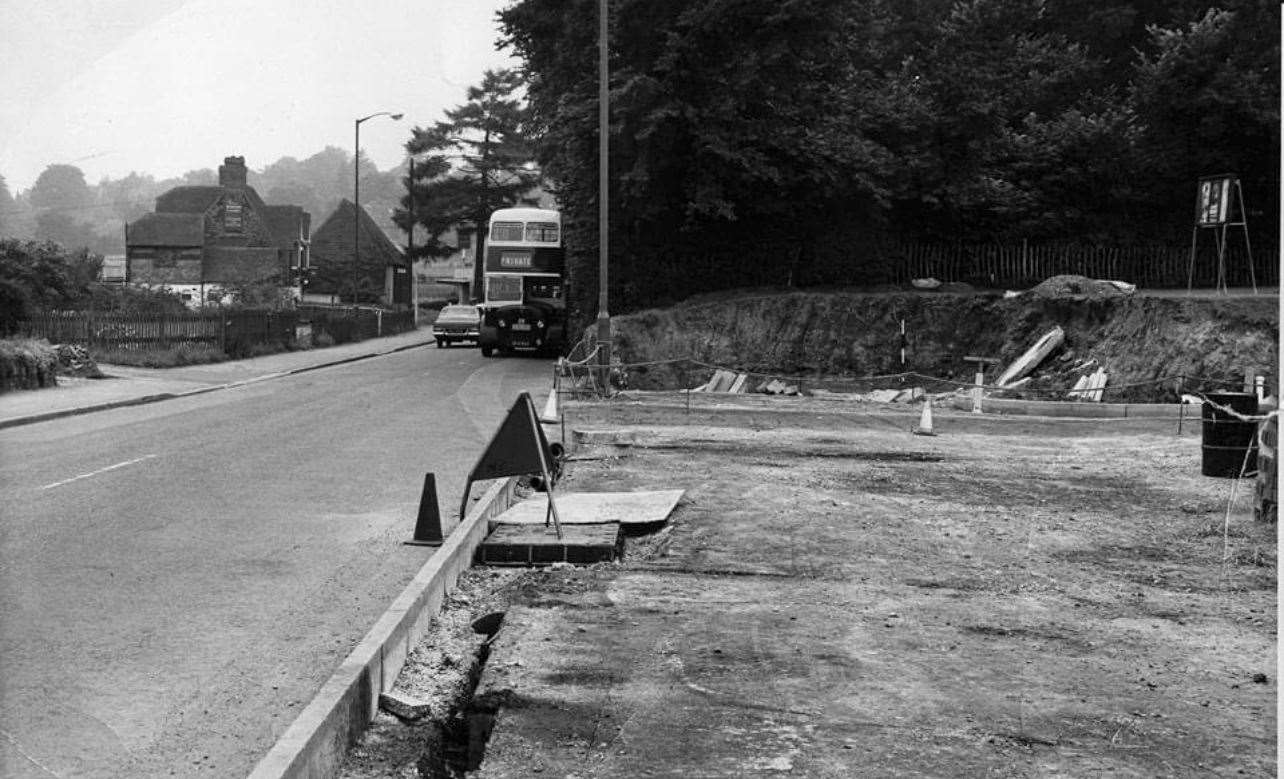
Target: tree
{"points": [[61, 200], [8, 208], [1207, 96], [477, 160]]}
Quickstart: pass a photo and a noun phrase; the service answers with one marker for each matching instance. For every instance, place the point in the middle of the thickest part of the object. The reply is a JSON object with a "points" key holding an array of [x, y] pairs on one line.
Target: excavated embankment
{"points": [[1143, 343]]}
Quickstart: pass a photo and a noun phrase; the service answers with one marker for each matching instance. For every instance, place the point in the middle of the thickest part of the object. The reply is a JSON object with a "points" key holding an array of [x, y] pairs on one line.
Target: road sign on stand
{"points": [[519, 448]]}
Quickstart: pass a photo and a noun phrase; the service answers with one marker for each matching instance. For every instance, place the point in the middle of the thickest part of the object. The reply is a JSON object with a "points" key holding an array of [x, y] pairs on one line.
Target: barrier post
{"points": [[977, 391]]}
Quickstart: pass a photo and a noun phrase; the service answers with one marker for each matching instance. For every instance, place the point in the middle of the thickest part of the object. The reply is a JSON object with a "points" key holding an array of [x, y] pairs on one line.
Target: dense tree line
{"points": [[752, 139]]}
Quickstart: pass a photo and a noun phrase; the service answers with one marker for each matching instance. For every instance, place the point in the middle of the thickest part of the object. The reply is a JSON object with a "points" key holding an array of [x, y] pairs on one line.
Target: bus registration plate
{"points": [[522, 327]]}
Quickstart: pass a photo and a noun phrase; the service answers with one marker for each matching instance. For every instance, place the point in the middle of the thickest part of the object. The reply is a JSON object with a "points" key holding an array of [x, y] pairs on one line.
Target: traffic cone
{"points": [[925, 421], [550, 407], [428, 525]]}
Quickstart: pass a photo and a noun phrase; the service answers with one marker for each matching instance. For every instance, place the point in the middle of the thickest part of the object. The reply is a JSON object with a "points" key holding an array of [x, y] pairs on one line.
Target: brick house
{"points": [[382, 270], [206, 238]]}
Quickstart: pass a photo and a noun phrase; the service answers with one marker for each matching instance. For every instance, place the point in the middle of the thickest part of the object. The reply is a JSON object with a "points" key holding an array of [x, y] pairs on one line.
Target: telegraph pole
{"points": [[603, 183]]}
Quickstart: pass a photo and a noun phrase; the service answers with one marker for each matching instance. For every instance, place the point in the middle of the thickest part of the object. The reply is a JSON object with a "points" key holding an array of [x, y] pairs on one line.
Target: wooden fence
{"points": [[127, 331], [1024, 265], [233, 332]]}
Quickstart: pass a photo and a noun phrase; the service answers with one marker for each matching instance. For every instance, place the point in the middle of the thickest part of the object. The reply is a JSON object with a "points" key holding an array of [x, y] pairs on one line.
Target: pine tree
{"points": [[476, 161]]}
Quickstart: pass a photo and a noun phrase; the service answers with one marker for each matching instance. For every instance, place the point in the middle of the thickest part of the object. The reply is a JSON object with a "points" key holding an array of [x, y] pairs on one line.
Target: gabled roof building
{"points": [[382, 271], [215, 236]]}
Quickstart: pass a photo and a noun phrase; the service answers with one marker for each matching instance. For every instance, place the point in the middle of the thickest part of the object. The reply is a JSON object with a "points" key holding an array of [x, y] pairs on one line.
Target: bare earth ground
{"points": [[837, 597]]}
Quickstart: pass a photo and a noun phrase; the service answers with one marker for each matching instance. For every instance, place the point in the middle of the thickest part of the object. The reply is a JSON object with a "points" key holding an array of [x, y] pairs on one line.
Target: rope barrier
{"points": [[1179, 382], [905, 375]]}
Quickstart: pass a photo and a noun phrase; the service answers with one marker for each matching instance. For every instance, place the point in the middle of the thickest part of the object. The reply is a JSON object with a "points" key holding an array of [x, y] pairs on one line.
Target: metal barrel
{"points": [[1229, 444]]}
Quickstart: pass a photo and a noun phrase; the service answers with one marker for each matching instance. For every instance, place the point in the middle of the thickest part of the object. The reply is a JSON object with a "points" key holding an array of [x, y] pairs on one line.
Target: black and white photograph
{"points": [[508, 389]]}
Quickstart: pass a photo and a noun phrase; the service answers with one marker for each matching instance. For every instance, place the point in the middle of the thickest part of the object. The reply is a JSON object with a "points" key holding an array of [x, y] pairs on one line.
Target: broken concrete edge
{"points": [[315, 744], [145, 399]]}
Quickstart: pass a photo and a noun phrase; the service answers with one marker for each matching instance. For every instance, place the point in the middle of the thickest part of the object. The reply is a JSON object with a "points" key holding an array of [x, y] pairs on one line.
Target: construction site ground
{"points": [[837, 597]]}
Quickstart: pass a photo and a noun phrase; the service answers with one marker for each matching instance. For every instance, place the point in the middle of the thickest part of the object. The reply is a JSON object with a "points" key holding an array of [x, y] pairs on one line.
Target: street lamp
{"points": [[356, 193]]}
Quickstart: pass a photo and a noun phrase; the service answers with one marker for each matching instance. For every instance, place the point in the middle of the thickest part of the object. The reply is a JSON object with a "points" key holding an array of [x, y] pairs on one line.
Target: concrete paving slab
{"points": [[584, 508]]}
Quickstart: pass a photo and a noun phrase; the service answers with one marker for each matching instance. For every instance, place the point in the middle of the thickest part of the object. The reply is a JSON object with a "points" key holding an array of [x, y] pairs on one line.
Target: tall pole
{"points": [[410, 244], [603, 182], [356, 203], [356, 192]]}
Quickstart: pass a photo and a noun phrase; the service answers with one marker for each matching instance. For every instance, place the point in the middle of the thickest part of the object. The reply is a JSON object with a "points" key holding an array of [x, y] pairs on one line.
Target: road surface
{"points": [[178, 579]]}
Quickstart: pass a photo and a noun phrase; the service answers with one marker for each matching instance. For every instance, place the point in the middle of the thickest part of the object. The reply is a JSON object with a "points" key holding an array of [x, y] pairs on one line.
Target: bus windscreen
{"points": [[506, 231]]}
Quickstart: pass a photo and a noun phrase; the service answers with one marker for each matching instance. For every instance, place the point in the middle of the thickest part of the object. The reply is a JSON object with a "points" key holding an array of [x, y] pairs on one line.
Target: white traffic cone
{"points": [[550, 407], [925, 421]]}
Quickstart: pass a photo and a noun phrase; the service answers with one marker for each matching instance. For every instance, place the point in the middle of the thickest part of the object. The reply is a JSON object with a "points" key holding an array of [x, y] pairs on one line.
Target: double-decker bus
{"points": [[524, 303]]}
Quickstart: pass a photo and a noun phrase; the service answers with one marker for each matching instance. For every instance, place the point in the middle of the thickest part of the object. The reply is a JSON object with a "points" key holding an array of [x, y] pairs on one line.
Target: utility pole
{"points": [[603, 182]]}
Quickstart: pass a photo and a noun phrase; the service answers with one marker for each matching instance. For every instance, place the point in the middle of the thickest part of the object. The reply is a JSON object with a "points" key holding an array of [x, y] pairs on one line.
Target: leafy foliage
{"points": [[43, 275], [752, 138]]}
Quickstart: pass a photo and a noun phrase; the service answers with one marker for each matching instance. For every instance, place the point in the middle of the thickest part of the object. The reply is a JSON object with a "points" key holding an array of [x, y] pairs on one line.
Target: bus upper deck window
{"points": [[542, 232], [506, 231]]}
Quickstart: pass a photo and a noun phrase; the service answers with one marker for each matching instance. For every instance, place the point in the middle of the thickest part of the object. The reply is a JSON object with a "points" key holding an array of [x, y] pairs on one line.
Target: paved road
{"points": [[178, 579]]}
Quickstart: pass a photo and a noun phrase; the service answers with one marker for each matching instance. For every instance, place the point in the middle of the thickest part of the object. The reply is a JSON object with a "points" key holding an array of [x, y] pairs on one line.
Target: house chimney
{"points": [[232, 172]]}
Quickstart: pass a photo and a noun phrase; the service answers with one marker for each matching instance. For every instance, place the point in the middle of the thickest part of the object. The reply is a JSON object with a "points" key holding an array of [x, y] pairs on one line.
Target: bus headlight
{"points": [[502, 323], [540, 324]]}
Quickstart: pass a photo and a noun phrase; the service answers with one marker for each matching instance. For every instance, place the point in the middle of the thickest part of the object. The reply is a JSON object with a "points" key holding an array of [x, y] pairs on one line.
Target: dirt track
{"points": [[837, 597]]}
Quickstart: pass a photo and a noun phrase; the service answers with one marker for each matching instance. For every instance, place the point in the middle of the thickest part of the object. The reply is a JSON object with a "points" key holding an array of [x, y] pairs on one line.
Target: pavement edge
{"points": [[315, 744], [145, 399]]}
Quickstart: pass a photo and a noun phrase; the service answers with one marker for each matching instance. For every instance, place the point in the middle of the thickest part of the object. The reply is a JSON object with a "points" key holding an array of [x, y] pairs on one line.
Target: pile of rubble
{"points": [[75, 360], [730, 381], [1072, 286]]}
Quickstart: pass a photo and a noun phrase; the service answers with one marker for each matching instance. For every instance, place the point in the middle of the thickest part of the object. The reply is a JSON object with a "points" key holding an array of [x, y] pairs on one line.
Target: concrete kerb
{"points": [[1048, 408], [316, 742], [139, 401], [996, 406]]}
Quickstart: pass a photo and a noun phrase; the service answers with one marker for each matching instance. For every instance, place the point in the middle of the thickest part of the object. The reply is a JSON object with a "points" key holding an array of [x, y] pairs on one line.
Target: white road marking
{"points": [[100, 470]]}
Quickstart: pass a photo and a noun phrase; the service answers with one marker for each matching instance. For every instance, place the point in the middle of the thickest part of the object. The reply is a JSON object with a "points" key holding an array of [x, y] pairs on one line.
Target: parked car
{"points": [[457, 323]]}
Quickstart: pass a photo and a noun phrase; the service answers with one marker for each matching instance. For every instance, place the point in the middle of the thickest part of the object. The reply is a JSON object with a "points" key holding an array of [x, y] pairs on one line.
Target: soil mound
{"points": [[1070, 286]]}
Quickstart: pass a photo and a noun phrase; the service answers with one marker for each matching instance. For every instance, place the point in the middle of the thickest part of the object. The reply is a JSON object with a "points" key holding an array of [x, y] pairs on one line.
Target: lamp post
{"points": [[356, 193]]}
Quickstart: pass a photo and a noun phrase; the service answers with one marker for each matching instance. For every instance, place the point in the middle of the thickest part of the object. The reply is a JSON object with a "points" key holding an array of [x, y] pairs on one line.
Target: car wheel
{"points": [[439, 343], [486, 351]]}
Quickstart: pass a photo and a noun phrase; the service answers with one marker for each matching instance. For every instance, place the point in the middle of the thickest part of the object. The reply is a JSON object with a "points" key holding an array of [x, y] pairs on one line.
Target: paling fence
{"points": [[233, 332], [646, 276], [1024, 265]]}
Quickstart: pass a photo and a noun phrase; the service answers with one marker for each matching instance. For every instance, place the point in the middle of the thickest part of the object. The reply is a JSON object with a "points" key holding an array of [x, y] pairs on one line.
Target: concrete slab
{"points": [[586, 508]]}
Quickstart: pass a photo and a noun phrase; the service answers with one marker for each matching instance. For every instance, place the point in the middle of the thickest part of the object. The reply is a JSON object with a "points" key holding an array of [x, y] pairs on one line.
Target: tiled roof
{"points": [[188, 200], [334, 238], [166, 230]]}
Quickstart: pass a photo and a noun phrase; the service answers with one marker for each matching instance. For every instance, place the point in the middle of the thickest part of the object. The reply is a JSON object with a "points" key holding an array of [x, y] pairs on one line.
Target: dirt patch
{"points": [[1013, 597], [1072, 601]]}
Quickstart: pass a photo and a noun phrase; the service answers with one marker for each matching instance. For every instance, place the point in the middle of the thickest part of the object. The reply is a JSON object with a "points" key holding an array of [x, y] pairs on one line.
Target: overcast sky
{"points": [[168, 86]]}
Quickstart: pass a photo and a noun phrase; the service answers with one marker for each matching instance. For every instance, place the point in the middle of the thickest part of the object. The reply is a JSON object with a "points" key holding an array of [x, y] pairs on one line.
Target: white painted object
{"points": [[1033, 356]]}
